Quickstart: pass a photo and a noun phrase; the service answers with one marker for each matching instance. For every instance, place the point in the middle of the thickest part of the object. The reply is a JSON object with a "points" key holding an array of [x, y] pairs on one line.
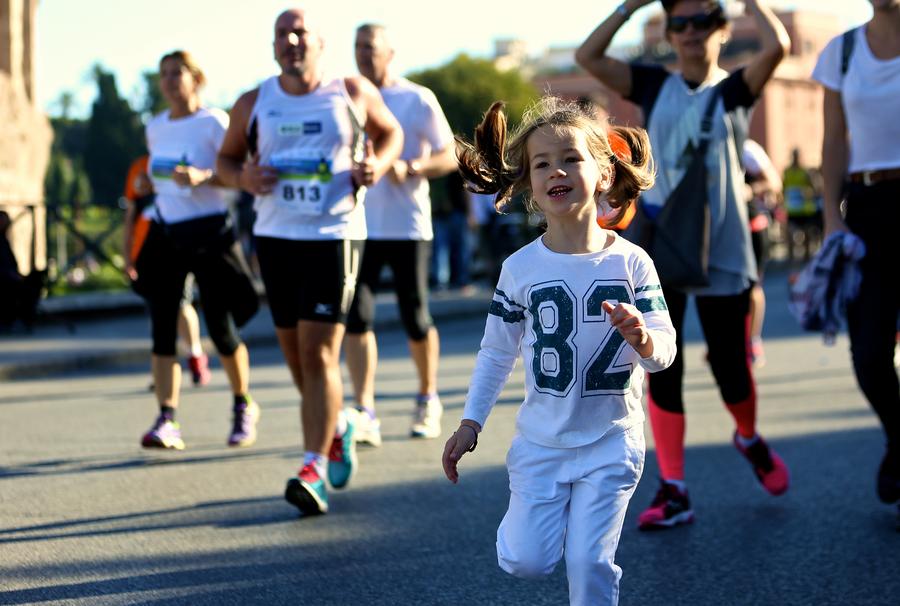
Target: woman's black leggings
{"points": [[873, 214], [725, 322], [162, 270]]}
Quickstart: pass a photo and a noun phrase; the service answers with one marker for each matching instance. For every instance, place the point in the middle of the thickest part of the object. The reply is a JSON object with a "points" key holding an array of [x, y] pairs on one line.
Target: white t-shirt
{"points": [[193, 140], [311, 140], [755, 159], [581, 378], [403, 211], [870, 92]]}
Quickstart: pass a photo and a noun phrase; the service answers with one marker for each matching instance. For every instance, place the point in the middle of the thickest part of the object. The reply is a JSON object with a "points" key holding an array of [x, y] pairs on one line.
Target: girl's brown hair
{"points": [[491, 165], [186, 59]]}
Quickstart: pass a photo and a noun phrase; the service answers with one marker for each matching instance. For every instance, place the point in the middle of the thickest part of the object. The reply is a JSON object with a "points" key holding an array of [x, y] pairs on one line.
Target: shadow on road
{"points": [[827, 541]]}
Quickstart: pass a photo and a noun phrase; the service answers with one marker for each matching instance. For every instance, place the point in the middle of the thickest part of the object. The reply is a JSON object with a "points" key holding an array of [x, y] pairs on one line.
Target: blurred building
{"points": [[788, 114], [25, 136]]}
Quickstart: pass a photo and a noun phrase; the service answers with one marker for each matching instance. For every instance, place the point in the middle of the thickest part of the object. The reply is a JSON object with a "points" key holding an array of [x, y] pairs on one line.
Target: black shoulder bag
{"points": [[678, 239]]}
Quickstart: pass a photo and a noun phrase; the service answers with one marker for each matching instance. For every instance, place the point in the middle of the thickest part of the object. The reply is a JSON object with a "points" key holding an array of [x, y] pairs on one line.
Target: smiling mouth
{"points": [[559, 191]]}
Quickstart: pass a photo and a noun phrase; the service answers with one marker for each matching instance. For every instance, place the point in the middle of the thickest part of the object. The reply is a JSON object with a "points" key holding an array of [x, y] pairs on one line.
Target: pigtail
{"points": [[483, 165], [633, 163]]}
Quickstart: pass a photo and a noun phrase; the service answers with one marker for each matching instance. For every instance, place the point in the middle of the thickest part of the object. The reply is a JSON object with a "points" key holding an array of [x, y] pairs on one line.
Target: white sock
{"points": [[746, 442], [318, 460], [196, 350]]}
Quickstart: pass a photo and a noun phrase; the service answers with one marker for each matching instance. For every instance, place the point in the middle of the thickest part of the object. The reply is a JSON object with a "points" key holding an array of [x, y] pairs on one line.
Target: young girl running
{"points": [[585, 309]]}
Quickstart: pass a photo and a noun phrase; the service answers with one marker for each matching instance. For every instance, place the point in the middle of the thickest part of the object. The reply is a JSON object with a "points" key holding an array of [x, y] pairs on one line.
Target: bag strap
{"points": [[706, 123], [848, 41]]}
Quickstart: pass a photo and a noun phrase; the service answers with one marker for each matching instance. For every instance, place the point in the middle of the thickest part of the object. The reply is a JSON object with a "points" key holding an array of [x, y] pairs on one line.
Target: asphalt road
{"points": [[87, 517]]}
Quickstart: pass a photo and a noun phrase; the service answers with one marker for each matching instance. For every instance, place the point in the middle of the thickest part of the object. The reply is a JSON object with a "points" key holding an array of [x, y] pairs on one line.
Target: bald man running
{"points": [[306, 147]]}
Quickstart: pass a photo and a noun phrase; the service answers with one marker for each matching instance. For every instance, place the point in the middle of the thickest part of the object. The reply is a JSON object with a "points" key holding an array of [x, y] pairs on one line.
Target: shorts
{"points": [[310, 280], [409, 261]]}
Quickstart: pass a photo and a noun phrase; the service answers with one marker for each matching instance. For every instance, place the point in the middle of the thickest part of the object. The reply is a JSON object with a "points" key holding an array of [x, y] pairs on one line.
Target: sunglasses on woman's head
{"points": [[701, 22]]}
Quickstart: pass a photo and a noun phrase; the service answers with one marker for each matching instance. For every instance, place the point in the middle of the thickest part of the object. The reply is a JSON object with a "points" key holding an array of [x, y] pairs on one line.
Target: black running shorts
{"points": [[409, 261], [309, 279]]}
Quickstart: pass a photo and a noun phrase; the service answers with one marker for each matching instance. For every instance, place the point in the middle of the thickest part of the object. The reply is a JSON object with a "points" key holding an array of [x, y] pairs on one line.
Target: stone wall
{"points": [[25, 136]]}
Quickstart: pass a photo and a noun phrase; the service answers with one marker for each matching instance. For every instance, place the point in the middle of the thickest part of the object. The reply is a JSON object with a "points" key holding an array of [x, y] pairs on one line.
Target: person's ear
{"points": [[607, 176]]}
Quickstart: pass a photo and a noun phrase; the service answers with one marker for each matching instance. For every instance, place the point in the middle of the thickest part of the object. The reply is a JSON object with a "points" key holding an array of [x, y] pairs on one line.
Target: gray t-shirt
{"points": [[673, 109]]}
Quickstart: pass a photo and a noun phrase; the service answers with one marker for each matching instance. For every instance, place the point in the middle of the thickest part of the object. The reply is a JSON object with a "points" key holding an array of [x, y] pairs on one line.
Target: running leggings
{"points": [[725, 322], [164, 268], [873, 214]]}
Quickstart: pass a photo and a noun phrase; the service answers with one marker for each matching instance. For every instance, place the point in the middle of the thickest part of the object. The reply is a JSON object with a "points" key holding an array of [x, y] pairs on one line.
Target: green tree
{"points": [[115, 137], [153, 102], [466, 87], [66, 182]]}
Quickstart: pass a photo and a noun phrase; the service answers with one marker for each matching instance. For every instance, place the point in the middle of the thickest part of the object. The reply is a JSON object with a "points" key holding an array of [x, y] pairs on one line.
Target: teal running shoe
{"points": [[307, 492], [342, 462]]}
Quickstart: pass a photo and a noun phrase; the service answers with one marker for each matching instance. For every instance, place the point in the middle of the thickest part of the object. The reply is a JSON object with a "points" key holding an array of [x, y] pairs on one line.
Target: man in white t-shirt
{"points": [[398, 220]]}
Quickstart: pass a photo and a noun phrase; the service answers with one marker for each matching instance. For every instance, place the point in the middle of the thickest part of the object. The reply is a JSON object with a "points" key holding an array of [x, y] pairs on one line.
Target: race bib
{"points": [[303, 180]]}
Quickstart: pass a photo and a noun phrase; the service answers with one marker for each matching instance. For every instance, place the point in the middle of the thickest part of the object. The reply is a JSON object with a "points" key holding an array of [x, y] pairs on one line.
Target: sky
{"points": [[231, 39]]}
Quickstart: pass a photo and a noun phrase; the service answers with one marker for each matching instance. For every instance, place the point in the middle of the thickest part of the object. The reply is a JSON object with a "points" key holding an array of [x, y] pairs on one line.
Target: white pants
{"points": [[572, 502]]}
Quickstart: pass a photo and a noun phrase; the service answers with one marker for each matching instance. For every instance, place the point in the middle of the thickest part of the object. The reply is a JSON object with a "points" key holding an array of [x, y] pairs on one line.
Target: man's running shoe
{"points": [[164, 434], [889, 477], [770, 470], [669, 508], [199, 367], [243, 425], [342, 461], [368, 429], [307, 492], [427, 418]]}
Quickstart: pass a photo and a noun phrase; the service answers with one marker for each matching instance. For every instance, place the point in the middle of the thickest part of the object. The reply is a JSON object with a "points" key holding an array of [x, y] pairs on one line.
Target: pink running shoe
{"points": [[770, 470], [199, 367], [669, 508]]}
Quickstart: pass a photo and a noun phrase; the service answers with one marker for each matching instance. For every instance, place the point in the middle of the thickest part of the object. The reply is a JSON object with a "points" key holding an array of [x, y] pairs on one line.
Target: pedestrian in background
{"points": [[139, 213], [763, 191], [583, 306]]}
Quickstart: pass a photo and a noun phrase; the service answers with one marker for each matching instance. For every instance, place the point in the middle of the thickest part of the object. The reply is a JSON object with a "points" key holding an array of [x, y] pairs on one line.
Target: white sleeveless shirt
{"points": [[193, 140], [311, 139]]}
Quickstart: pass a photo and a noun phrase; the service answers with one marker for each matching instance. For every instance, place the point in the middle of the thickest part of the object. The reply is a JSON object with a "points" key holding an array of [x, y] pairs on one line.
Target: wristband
{"points": [[474, 444], [623, 10]]}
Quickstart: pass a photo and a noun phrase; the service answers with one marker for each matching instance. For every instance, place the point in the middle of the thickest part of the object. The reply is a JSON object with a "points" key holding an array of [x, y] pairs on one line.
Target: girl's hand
{"points": [[462, 441], [630, 323]]}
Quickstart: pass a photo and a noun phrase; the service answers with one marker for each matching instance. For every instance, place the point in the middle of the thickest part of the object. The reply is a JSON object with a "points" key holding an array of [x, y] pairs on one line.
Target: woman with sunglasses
{"points": [[860, 72], [673, 104]]}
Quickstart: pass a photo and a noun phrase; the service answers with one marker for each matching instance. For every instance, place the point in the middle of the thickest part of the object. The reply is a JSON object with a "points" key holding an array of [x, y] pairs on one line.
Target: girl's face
{"points": [[564, 175], [176, 82], [693, 37]]}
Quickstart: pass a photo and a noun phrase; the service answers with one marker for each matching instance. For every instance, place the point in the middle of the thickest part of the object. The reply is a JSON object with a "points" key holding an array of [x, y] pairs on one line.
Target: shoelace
{"points": [[240, 423], [337, 449]]}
